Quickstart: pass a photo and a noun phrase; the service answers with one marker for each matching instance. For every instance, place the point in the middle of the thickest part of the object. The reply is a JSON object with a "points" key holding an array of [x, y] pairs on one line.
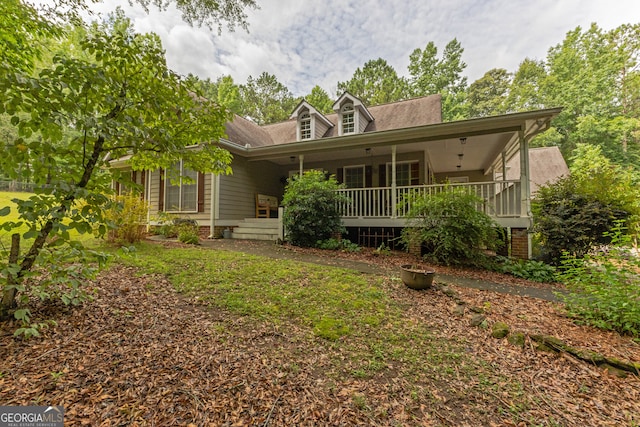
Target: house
{"points": [[380, 153]]}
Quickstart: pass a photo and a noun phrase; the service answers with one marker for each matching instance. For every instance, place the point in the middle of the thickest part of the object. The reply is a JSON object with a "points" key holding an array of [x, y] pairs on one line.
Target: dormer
{"points": [[353, 116], [311, 123]]}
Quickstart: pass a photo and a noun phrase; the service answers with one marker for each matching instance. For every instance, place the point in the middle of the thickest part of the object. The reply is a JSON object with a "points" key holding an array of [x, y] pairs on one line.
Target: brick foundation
{"points": [[519, 243]]}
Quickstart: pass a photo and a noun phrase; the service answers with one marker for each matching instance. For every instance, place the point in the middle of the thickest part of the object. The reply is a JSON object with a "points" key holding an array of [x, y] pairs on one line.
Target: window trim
{"points": [[389, 167], [362, 167], [348, 110], [305, 119], [167, 183]]}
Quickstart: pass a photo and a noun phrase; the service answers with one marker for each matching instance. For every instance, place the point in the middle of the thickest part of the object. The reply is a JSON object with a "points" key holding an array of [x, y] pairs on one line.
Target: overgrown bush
{"points": [[604, 287], [311, 212], [450, 228], [127, 217], [576, 213]]}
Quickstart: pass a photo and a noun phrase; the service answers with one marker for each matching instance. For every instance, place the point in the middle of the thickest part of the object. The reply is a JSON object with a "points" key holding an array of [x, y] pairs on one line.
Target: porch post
{"points": [[504, 166], [147, 190], [525, 208], [301, 157], [212, 210], [394, 196]]}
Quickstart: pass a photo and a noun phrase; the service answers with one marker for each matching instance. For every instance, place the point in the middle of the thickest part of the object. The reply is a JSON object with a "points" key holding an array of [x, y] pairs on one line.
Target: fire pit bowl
{"points": [[417, 277]]}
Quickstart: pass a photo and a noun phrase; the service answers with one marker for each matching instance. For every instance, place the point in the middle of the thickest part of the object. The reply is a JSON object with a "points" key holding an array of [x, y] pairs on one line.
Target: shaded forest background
{"points": [[594, 74]]}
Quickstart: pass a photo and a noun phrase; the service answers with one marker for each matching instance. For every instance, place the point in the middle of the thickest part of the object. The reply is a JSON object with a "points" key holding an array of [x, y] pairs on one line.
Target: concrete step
{"points": [[259, 223], [251, 229], [255, 236]]}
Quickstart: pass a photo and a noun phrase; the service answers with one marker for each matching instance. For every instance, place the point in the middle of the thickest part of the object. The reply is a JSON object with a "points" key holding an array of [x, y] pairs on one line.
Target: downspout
{"points": [[394, 198], [301, 157]]}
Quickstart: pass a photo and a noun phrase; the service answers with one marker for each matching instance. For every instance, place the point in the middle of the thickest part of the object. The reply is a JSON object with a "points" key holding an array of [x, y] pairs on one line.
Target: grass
{"points": [[351, 312], [6, 199]]}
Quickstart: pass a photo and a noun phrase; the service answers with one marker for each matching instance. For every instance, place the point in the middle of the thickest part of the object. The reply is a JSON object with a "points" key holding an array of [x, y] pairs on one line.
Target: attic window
{"points": [[348, 119], [305, 126]]}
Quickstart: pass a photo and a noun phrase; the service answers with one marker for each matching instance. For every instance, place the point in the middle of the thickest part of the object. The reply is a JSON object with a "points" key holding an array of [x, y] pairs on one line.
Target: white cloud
{"points": [[311, 42]]}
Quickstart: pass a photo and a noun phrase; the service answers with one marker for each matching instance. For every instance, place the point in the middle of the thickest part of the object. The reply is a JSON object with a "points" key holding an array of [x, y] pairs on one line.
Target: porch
{"points": [[388, 206]]}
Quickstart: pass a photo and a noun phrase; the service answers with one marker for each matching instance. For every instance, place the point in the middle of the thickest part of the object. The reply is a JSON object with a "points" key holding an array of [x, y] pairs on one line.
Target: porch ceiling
{"points": [[485, 139]]}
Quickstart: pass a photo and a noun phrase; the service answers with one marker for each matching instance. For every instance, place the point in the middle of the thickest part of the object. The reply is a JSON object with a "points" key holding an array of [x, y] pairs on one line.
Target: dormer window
{"points": [[305, 126], [348, 119]]}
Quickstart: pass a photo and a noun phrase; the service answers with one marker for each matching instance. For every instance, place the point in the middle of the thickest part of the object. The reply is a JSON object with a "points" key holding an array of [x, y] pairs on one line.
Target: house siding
{"points": [[474, 176], [237, 191], [320, 129], [362, 122], [154, 201]]}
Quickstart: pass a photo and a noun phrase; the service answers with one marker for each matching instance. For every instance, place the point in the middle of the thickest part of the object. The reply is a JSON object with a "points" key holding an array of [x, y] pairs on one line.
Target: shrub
{"points": [[338, 244], [311, 212], [576, 213], [604, 288], [450, 228], [187, 231], [527, 269], [569, 219], [126, 216]]}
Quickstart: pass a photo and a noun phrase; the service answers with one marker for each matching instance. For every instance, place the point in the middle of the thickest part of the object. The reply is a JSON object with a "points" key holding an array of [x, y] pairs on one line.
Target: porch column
{"points": [[301, 157], [394, 196], [212, 208], [504, 166], [147, 190], [525, 192]]}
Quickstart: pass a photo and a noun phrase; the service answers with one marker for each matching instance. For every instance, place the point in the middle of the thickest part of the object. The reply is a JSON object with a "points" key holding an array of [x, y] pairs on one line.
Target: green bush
{"points": [[338, 244], [311, 212], [576, 213], [127, 216], [604, 289], [569, 219], [187, 231], [527, 269], [450, 228]]}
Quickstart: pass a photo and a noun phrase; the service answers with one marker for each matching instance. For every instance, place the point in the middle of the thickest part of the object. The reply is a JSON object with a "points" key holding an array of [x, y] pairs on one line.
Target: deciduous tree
{"points": [[376, 83]]}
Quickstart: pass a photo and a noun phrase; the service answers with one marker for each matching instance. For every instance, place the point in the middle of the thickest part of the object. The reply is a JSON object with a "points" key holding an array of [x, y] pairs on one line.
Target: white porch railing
{"points": [[499, 199]]}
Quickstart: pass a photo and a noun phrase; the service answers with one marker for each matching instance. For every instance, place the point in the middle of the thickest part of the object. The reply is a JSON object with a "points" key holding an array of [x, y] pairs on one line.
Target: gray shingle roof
{"points": [[396, 115]]}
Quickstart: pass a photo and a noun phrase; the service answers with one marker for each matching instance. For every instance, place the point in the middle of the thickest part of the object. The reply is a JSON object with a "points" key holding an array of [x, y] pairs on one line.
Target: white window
{"points": [[407, 173], [305, 126], [354, 176], [182, 194], [348, 119]]}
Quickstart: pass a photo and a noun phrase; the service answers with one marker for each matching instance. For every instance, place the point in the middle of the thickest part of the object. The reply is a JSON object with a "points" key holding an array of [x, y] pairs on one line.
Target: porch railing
{"points": [[500, 199]]}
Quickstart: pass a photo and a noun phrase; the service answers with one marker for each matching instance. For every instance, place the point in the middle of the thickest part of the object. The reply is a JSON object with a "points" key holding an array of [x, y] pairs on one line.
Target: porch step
{"points": [[256, 229]]}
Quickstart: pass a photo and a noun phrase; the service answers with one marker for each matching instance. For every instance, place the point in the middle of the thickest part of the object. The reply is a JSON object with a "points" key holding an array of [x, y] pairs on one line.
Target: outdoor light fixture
{"points": [[463, 140], [367, 151], [292, 158]]}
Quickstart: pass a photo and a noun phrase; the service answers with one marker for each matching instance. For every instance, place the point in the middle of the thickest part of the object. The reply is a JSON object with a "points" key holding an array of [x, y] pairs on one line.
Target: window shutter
{"points": [[368, 176], [340, 175], [161, 192], [143, 178], [382, 175], [200, 192], [415, 173], [117, 188]]}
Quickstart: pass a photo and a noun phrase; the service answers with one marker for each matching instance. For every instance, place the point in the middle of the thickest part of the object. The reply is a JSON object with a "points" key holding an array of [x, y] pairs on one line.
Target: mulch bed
{"points": [[140, 354]]}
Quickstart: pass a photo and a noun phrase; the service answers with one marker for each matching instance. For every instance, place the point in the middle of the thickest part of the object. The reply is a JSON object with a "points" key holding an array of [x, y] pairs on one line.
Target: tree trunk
{"points": [[9, 292]]}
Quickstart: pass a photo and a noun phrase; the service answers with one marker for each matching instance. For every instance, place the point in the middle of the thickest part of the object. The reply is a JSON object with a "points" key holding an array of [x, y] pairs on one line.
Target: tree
{"points": [[320, 100], [265, 100], [524, 93], [376, 83], [223, 91], [118, 99], [487, 96], [430, 75]]}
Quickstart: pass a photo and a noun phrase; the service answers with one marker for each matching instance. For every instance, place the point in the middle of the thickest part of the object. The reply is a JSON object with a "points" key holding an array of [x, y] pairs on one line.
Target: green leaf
{"points": [[5, 211]]}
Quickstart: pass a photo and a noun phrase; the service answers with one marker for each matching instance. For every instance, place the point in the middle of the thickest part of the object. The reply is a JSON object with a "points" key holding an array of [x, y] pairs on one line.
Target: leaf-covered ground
{"points": [[142, 354]]}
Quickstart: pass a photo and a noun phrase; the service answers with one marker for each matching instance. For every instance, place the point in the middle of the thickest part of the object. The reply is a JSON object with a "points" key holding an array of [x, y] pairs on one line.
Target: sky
{"points": [[321, 42]]}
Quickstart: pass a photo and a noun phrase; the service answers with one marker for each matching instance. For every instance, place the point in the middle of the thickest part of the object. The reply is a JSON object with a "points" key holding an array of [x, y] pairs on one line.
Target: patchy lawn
{"points": [[189, 335]]}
